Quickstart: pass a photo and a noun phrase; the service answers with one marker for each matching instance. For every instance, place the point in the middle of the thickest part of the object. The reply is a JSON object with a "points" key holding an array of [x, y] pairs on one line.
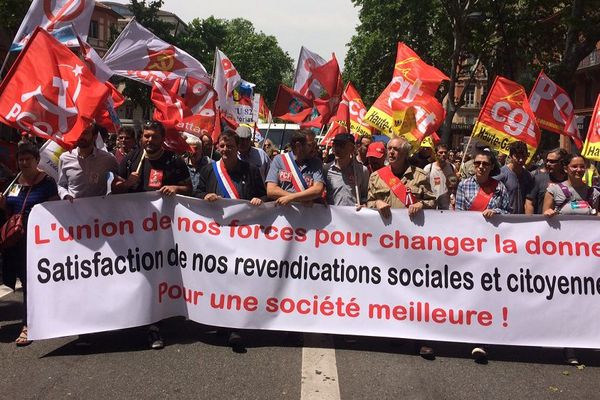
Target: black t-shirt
{"points": [[169, 169], [538, 190]]}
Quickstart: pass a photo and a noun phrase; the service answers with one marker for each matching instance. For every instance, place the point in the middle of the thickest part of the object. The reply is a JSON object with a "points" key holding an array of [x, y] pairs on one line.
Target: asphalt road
{"points": [[197, 363]]}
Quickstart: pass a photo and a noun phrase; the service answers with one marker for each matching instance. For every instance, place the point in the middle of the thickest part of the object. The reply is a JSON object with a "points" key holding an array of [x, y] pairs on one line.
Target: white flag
{"points": [[303, 81], [226, 80], [138, 54], [55, 16]]}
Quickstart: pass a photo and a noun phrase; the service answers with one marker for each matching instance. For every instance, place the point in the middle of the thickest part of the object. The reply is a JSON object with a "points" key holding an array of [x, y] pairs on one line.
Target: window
{"points": [[470, 96], [93, 29]]}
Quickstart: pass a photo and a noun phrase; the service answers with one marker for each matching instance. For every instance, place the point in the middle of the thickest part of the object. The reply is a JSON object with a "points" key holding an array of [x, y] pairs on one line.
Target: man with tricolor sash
{"points": [[296, 176], [230, 177], [399, 185]]}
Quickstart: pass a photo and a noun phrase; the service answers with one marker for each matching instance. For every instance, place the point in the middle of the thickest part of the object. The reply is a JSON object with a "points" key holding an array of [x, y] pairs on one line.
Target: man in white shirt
{"points": [[438, 173]]}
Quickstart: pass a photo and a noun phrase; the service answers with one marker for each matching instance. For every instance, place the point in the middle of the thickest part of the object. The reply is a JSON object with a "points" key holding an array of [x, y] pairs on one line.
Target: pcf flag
{"points": [[506, 117], [50, 92], [138, 54], [54, 15], [553, 108], [291, 106]]}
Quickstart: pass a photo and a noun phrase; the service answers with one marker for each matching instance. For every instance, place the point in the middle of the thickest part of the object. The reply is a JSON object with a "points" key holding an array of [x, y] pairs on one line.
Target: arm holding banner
{"points": [[283, 198]]}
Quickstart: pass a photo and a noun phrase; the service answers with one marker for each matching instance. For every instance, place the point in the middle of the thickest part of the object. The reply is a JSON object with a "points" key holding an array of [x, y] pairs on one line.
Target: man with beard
{"points": [[555, 173]]}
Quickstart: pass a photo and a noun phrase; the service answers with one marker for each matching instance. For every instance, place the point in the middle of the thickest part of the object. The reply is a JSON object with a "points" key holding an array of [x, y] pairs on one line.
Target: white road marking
{"points": [[319, 369]]}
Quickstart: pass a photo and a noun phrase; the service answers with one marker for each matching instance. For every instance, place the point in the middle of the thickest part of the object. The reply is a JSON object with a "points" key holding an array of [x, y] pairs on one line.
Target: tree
{"points": [[257, 56], [512, 38]]}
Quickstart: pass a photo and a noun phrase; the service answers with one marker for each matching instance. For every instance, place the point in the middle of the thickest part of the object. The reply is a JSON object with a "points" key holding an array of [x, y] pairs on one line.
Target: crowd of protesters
{"points": [[353, 172]]}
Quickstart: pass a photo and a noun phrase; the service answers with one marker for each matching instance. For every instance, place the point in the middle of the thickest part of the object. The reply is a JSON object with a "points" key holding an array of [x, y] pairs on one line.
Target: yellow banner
{"points": [[497, 139]]}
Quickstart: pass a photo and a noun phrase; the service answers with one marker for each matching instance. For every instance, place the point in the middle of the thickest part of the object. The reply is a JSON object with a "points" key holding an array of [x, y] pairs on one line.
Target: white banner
{"points": [[108, 263]]}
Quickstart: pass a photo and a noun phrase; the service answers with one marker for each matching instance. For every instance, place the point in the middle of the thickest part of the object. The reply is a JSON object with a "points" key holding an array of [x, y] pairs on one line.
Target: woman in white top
{"points": [[572, 196]]}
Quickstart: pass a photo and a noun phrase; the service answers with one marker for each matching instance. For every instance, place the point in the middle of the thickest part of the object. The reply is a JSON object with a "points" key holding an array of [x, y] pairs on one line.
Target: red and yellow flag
{"points": [[591, 148], [413, 87], [350, 109], [506, 117]]}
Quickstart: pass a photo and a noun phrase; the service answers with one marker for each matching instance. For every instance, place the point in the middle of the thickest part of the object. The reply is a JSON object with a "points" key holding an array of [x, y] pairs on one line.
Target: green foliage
{"points": [[12, 13], [512, 38], [257, 56]]}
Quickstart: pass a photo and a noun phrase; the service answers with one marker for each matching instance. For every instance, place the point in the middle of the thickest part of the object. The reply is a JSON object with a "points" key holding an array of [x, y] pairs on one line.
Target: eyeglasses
{"points": [[481, 163]]}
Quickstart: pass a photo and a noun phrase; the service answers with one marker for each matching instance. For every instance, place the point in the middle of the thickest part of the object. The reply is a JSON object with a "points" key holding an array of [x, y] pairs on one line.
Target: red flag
{"points": [[291, 106], [506, 117], [264, 114], [412, 69], [50, 92], [328, 75], [114, 101], [170, 111], [222, 122], [554, 109], [350, 109], [591, 148]]}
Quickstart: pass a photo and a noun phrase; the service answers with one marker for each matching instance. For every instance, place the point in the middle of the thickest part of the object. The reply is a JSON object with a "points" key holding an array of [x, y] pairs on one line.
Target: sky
{"points": [[323, 26]]}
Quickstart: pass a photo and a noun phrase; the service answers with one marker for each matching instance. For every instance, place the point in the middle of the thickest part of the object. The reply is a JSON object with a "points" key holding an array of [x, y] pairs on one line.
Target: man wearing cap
{"points": [[345, 177], [438, 173], [295, 176], [376, 156], [253, 156], [399, 185]]}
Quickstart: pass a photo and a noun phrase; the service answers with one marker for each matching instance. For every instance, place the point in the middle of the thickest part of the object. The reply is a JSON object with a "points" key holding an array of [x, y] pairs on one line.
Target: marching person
{"points": [[555, 173], [376, 156], [84, 171], [399, 185], [251, 154], [482, 193], [125, 143], [295, 176], [153, 168], [515, 177], [230, 177], [438, 173], [32, 187], [345, 177]]}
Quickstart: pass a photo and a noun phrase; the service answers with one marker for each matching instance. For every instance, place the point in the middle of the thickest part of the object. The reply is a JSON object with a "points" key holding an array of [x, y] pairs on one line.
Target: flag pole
{"points": [[12, 183], [4, 64]]}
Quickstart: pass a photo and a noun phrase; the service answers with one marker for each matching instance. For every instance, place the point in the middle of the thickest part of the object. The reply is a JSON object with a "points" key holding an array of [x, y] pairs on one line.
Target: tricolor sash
{"points": [[297, 179], [224, 180], [482, 200], [396, 186]]}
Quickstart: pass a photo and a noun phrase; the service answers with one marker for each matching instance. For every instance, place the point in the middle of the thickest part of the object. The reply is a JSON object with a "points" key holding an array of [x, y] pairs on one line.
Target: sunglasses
{"points": [[152, 125], [481, 163]]}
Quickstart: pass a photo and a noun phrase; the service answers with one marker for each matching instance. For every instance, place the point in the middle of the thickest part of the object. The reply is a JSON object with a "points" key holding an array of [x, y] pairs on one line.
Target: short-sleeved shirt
{"points": [[570, 205], [340, 183], [168, 169], [311, 170], [517, 186], [537, 193], [437, 179], [413, 178], [40, 192], [85, 176]]}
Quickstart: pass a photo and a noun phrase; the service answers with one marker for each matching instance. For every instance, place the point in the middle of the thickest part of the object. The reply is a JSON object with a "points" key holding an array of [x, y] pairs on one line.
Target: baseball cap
{"points": [[376, 149], [244, 132]]}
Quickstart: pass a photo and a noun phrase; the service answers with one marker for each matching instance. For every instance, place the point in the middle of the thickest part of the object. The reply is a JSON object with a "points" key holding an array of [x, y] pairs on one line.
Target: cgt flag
{"points": [[68, 18], [351, 108], [591, 148], [138, 54], [506, 117], [227, 79], [554, 109], [413, 86], [50, 92]]}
